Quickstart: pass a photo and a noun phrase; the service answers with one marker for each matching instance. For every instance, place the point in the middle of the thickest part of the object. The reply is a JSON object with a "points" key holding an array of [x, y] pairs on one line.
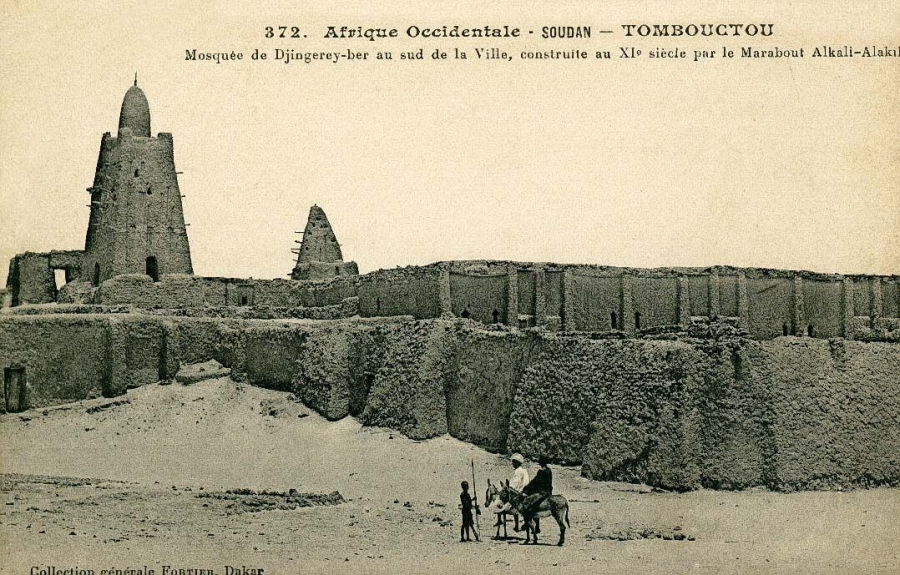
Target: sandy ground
{"points": [[138, 483]]}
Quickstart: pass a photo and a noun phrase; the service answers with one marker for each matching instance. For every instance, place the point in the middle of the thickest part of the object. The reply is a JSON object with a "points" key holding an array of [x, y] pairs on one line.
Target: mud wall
{"points": [[405, 291], [182, 291], [570, 298], [580, 298], [735, 443], [771, 307], [196, 340], [484, 372], [482, 298], [789, 414], [890, 299], [629, 402], [64, 359], [655, 299], [832, 408], [823, 307], [329, 365], [271, 355], [69, 357], [712, 408], [138, 352], [31, 277], [596, 303], [407, 391], [322, 379]]}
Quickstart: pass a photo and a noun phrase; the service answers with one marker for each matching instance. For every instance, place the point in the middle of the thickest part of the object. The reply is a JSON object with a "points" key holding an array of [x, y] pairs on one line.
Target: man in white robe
{"points": [[518, 481]]}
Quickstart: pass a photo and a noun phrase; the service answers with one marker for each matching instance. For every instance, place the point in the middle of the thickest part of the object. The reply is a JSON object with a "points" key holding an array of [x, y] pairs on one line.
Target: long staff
{"points": [[475, 491]]}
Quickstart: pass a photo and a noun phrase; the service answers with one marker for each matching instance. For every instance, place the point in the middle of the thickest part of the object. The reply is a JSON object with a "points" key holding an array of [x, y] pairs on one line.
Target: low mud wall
{"points": [[46, 362]]}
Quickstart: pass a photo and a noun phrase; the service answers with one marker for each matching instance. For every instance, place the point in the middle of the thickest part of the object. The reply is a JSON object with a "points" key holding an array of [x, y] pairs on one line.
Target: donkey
{"points": [[493, 496], [555, 505]]}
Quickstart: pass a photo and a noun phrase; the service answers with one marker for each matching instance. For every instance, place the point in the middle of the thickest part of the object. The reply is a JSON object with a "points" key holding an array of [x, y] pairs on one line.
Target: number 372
{"points": [[282, 32]]}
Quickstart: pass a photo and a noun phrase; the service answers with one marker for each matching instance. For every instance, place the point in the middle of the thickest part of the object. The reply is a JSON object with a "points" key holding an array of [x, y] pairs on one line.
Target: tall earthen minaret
{"points": [[137, 222]]}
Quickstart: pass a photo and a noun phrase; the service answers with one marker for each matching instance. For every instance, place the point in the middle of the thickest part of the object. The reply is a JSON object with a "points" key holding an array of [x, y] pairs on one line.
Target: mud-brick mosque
{"points": [[681, 377]]}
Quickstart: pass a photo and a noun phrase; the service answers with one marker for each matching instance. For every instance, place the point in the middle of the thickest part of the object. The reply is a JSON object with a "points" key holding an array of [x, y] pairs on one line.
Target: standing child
{"points": [[468, 522]]}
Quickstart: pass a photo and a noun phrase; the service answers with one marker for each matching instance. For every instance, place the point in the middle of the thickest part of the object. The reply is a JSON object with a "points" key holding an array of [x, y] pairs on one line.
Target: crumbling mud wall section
{"points": [[623, 407], [271, 354], [834, 411], [365, 354], [31, 278], [47, 361], [329, 365], [322, 378], [197, 340], [706, 407], [407, 392], [485, 371], [792, 413], [735, 439]]}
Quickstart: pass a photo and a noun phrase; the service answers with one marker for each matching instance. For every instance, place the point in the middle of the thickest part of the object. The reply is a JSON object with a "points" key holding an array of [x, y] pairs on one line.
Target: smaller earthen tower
{"points": [[320, 255], [137, 223]]}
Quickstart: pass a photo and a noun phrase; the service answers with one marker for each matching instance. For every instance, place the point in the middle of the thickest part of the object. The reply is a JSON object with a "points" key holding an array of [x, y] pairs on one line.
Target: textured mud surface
{"points": [[200, 476]]}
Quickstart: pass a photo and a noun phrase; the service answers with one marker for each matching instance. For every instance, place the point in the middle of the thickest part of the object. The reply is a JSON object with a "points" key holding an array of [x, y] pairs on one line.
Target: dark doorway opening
{"points": [[465, 313], [244, 300], [613, 320], [784, 329], [14, 389], [496, 315], [96, 281], [637, 320], [809, 330], [152, 268]]}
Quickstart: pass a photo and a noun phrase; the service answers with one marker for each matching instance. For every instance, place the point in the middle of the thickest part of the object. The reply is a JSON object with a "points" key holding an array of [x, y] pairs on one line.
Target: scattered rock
{"points": [[195, 372]]}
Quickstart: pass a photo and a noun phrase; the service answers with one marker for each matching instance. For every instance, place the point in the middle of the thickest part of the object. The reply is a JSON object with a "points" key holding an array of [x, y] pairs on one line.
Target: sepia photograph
{"points": [[449, 288]]}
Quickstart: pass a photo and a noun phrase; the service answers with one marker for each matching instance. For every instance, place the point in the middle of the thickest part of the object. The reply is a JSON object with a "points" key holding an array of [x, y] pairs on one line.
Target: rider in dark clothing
{"points": [[542, 482], [537, 490]]}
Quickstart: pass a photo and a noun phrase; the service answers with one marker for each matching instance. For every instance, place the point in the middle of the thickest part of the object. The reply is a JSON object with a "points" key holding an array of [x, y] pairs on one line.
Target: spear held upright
{"points": [[475, 491]]}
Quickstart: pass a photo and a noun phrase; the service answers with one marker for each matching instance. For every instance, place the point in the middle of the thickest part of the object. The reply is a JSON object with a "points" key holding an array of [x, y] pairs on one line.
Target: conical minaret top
{"points": [[135, 113], [319, 242], [320, 254]]}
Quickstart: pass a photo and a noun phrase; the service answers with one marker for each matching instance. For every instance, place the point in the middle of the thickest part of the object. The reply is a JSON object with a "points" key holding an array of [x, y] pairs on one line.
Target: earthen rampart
{"points": [[705, 407]]}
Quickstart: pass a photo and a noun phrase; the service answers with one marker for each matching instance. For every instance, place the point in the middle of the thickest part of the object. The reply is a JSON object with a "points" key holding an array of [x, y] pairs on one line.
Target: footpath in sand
{"points": [[199, 477]]}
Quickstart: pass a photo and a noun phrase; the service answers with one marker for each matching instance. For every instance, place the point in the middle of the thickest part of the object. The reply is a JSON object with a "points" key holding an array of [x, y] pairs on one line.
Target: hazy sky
{"points": [[787, 164]]}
